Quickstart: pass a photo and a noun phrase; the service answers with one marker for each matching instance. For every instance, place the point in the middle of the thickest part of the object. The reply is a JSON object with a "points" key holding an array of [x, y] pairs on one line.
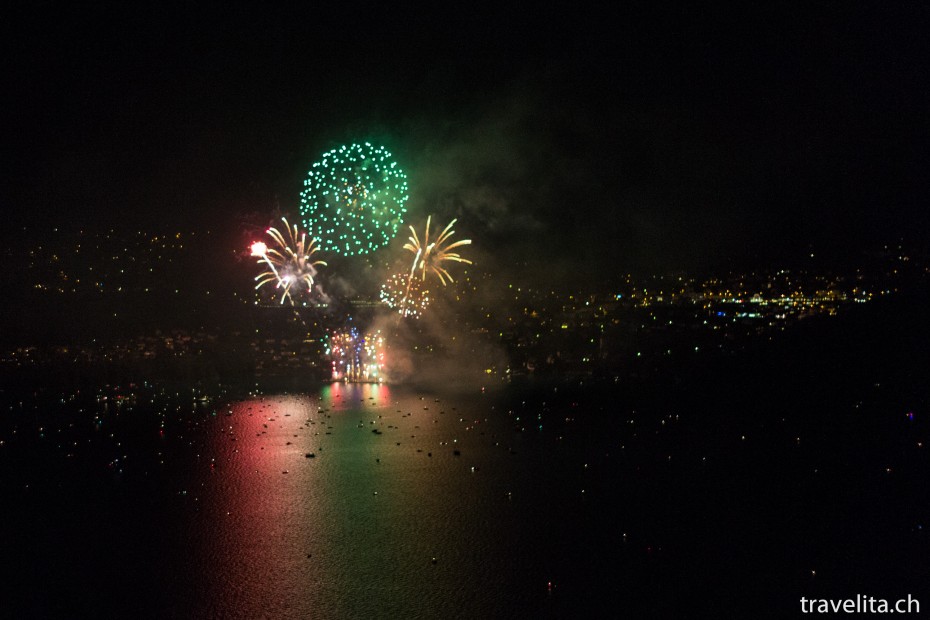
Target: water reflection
{"points": [[372, 524], [261, 510]]}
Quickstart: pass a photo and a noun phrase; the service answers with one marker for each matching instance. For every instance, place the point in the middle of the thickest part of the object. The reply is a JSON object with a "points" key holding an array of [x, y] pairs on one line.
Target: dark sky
{"points": [[656, 139]]}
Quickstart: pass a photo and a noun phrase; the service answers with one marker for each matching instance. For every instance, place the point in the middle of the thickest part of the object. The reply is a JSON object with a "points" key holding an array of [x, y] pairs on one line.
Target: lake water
{"points": [[411, 505], [550, 502]]}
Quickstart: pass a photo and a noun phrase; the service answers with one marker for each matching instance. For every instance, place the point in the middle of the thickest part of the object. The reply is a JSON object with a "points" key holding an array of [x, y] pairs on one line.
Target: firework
{"points": [[430, 256], [354, 198], [289, 261], [407, 301], [356, 357]]}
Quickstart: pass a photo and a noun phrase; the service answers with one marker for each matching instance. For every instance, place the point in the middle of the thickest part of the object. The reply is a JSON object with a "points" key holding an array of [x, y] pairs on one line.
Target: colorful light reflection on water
{"points": [[355, 530]]}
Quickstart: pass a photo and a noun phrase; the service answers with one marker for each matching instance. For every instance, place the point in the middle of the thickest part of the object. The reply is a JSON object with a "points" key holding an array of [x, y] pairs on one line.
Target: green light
{"points": [[354, 199]]}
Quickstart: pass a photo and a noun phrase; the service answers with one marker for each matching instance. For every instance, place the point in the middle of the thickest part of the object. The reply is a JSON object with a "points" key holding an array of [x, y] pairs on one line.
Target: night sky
{"points": [[579, 143]]}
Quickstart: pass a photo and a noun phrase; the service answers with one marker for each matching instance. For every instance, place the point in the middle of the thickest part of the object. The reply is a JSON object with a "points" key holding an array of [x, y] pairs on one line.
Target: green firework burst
{"points": [[354, 199]]}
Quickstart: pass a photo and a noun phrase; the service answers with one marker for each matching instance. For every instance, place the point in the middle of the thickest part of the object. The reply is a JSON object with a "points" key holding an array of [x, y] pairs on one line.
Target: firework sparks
{"points": [[289, 261], [430, 256], [407, 300], [354, 199], [356, 357]]}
